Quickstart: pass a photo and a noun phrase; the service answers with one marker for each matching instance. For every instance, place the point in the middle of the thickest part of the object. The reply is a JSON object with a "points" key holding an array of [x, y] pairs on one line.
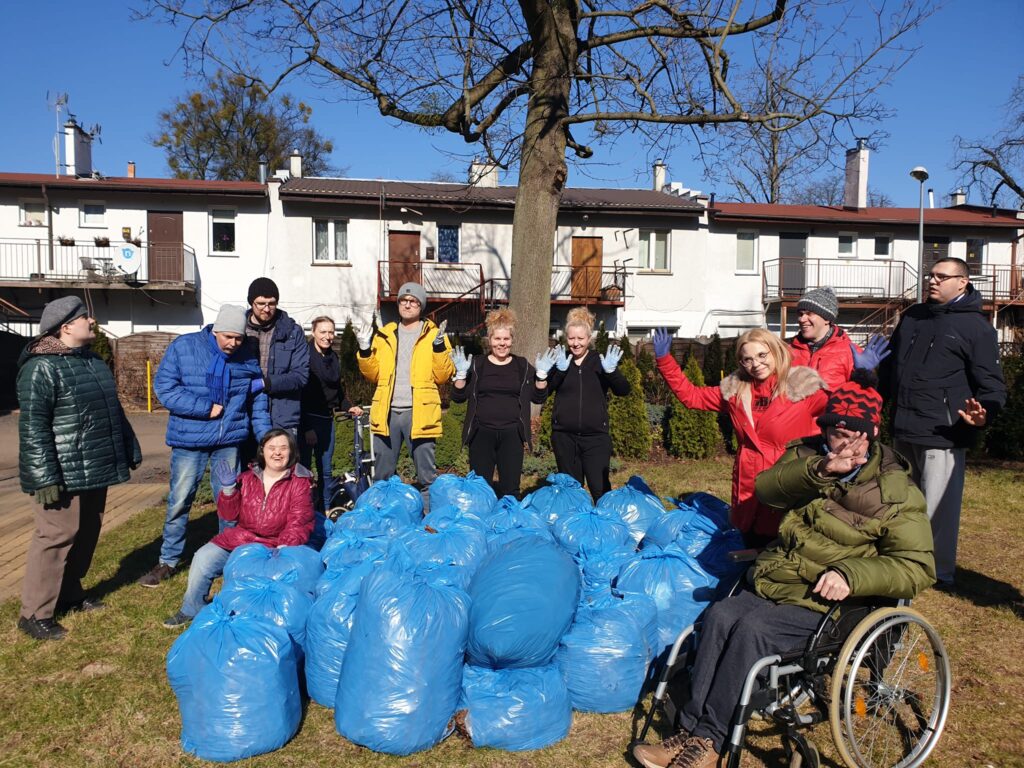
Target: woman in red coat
{"points": [[272, 504], [770, 403]]}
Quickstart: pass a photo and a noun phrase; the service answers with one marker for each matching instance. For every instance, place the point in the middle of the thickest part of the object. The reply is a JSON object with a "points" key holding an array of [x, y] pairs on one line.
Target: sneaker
{"points": [[660, 755], [696, 753], [85, 605], [41, 629], [177, 620], [162, 572]]}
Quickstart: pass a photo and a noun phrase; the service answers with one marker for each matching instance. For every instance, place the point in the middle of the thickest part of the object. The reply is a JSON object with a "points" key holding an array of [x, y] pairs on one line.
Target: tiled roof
{"points": [[461, 195], [119, 183], [869, 216]]}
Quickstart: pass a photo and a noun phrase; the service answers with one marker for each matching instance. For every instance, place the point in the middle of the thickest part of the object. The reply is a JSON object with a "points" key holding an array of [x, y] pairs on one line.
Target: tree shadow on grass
{"points": [[986, 592]]}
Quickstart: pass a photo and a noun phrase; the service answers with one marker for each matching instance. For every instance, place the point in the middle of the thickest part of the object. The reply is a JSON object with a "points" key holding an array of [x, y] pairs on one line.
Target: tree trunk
{"points": [[542, 168]]}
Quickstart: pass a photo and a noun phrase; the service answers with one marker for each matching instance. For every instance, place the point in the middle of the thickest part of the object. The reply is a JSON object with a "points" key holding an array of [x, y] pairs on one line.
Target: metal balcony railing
{"points": [[34, 260], [789, 279]]}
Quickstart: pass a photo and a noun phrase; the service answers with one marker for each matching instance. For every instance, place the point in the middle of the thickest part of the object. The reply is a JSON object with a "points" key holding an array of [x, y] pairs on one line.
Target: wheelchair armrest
{"points": [[744, 555]]}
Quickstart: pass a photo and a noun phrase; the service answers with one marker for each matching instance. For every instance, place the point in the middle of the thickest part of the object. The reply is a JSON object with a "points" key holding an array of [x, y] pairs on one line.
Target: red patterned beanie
{"points": [[855, 405]]}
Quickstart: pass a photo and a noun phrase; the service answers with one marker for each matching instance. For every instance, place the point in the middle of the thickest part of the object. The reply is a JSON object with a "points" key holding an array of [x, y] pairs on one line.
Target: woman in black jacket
{"points": [[499, 388], [579, 419]]}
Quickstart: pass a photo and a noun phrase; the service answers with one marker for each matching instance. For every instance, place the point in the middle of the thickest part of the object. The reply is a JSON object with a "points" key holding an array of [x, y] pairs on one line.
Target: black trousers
{"points": [[586, 458], [738, 631], [501, 449]]}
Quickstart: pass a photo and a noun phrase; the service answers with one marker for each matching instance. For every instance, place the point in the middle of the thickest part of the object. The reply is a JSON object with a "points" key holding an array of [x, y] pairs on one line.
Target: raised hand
{"points": [[439, 333], [561, 358], [974, 413], [875, 351], [364, 334], [462, 362], [610, 359], [225, 475], [850, 455], [545, 362], [662, 342]]}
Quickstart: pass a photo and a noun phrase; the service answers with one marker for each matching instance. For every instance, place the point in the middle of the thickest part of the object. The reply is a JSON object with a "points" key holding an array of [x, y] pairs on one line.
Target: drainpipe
{"points": [[49, 227]]}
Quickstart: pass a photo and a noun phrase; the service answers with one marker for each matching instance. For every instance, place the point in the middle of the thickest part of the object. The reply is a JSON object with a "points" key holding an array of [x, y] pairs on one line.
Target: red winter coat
{"points": [[789, 416], [834, 360], [282, 517]]}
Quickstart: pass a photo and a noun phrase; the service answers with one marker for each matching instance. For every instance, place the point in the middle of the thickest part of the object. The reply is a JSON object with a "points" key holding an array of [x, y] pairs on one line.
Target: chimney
{"points": [[131, 169], [855, 188], [295, 164], [483, 174], [659, 175], [959, 197], [77, 149], [931, 197], [263, 170]]}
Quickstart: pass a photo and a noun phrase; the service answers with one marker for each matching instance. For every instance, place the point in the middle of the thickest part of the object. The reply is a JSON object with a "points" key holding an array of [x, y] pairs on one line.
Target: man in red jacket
{"points": [[821, 344]]}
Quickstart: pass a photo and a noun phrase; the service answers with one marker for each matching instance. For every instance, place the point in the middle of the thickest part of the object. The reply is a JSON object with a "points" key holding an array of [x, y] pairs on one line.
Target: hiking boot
{"points": [[41, 629], [177, 621], [162, 572], [660, 755], [696, 753], [85, 605]]}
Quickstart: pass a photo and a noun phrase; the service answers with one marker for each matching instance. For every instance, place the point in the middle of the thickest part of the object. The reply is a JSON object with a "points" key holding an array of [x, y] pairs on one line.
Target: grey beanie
{"points": [[821, 301], [61, 311], [416, 291], [230, 319]]}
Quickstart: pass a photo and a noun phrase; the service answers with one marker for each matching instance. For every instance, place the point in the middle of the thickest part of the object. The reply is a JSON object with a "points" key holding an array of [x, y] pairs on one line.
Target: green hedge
{"points": [[627, 417], [1005, 438], [689, 433]]}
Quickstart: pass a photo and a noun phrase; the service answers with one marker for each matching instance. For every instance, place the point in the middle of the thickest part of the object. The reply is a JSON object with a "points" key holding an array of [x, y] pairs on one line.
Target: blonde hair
{"points": [[322, 319], [780, 351], [501, 318], [580, 316]]}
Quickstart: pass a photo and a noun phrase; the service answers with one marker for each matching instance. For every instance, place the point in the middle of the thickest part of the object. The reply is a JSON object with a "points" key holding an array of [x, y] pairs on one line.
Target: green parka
{"points": [[72, 429], [873, 530]]}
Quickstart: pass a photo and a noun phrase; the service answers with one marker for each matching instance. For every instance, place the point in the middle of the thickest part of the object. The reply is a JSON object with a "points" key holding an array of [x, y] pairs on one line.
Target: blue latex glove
{"points": [[545, 362], [561, 358], [462, 362], [662, 342], [225, 475], [875, 351], [610, 359]]}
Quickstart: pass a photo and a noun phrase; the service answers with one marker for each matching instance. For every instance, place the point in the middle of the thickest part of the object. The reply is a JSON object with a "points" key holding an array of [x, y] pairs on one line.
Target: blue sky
{"points": [[120, 74]]}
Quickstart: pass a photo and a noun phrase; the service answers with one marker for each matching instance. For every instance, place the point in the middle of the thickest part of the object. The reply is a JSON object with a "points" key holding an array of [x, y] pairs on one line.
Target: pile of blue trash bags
{"points": [[494, 617]]}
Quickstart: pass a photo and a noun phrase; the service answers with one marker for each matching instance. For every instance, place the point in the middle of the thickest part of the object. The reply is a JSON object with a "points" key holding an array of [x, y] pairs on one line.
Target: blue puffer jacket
{"points": [[181, 386], [287, 368]]}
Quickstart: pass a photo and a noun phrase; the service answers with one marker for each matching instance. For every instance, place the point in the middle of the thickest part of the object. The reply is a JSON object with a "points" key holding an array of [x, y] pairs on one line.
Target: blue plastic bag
{"points": [[592, 529], [448, 537], [298, 566], [275, 601], [635, 504], [237, 686], [399, 499], [645, 611], [471, 493], [600, 568], [509, 520], [402, 673], [604, 657], [709, 506], [346, 549], [524, 596], [515, 709], [701, 537], [562, 495]]}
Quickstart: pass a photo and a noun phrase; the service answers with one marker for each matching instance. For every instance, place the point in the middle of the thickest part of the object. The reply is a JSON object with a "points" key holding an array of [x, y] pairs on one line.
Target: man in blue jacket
{"points": [[206, 380]]}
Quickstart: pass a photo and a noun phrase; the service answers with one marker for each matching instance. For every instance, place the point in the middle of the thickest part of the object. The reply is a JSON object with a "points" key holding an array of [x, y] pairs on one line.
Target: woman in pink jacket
{"points": [[272, 504]]}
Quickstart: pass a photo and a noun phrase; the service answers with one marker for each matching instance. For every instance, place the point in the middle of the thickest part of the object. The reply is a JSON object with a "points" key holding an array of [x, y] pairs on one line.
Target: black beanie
{"points": [[263, 286]]}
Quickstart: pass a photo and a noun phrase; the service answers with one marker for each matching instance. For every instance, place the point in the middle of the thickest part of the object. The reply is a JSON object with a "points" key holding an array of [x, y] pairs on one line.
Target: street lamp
{"points": [[921, 174]]}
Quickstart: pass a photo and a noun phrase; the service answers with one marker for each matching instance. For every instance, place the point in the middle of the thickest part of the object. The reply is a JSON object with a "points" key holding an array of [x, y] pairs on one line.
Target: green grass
{"points": [[100, 698]]}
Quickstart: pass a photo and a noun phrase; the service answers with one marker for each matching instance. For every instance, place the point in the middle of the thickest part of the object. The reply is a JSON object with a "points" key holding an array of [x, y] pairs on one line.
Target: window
{"points": [[330, 240], [92, 215], [975, 254], [746, 252], [447, 244], [883, 246], [32, 214], [653, 250], [847, 245], [222, 231]]}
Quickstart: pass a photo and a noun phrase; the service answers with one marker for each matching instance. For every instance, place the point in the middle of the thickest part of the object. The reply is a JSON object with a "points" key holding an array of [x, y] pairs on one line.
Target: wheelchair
{"points": [[353, 484], [877, 672]]}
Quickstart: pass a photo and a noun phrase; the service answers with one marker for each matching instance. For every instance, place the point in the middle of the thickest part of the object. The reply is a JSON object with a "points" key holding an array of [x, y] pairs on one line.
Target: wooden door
{"points": [[403, 260], [792, 263], [587, 258], [165, 235]]}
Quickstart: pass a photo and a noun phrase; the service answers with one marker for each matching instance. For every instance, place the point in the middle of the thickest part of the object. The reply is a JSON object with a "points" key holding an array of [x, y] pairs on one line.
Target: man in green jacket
{"points": [[75, 442], [856, 527]]}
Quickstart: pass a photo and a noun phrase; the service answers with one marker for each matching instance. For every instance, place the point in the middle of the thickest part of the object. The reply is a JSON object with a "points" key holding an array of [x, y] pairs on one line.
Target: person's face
{"points": [[277, 453], [323, 336], [757, 360], [501, 342], [944, 284], [577, 339], [79, 331], [263, 309], [839, 437], [409, 308], [228, 342], [812, 325]]}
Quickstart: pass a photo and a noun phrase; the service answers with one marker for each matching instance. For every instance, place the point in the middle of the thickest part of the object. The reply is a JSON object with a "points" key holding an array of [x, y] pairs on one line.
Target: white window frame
{"points": [[437, 246], [83, 224], [23, 219], [854, 242], [874, 246], [332, 242], [213, 218], [649, 267], [755, 241]]}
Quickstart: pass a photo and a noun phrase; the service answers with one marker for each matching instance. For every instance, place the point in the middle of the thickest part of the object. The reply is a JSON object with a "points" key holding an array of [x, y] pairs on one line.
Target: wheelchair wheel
{"points": [[890, 691]]}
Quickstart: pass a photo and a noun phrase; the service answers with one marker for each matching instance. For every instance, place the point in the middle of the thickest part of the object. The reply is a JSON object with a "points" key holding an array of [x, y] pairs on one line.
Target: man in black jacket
{"points": [[945, 383]]}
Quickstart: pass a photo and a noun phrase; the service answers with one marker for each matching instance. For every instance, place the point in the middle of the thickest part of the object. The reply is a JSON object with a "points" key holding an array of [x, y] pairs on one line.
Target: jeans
{"points": [[323, 455], [207, 564], [386, 449], [187, 468]]}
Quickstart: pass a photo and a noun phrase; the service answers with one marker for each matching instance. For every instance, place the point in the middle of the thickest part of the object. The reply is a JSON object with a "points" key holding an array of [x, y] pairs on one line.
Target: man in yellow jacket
{"points": [[406, 360]]}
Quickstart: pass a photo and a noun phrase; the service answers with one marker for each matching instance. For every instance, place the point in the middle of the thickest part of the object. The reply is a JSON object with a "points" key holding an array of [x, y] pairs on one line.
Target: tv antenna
{"points": [[57, 102]]}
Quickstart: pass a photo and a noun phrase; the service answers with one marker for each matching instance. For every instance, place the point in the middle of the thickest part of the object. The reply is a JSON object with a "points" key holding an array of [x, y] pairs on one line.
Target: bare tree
{"points": [[828, 190], [532, 80], [995, 166]]}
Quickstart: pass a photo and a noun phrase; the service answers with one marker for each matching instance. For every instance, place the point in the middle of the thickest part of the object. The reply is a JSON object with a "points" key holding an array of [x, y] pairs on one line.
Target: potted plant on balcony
{"points": [[63, 240], [101, 242]]}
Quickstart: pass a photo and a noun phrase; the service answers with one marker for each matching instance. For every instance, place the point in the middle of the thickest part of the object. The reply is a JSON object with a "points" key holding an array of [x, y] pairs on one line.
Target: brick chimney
{"points": [[855, 188], [959, 197], [131, 169]]}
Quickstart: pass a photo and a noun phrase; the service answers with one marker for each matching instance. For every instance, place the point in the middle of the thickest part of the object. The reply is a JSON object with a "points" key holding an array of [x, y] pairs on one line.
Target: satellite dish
{"points": [[128, 258]]}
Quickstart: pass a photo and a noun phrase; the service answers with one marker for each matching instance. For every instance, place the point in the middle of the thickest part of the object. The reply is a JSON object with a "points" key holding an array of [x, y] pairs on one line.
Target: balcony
{"points": [[854, 282], [36, 263]]}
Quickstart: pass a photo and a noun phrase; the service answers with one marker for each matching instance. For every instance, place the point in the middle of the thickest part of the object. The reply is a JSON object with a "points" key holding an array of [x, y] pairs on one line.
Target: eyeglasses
{"points": [[409, 301], [939, 278], [264, 304], [749, 362]]}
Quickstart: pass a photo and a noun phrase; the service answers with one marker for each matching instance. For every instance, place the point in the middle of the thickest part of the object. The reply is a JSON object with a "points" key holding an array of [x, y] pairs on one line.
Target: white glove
{"points": [[363, 336], [462, 362], [439, 334]]}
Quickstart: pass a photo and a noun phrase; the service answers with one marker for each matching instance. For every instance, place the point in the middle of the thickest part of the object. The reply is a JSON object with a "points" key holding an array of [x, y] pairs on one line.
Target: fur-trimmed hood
{"points": [[801, 383]]}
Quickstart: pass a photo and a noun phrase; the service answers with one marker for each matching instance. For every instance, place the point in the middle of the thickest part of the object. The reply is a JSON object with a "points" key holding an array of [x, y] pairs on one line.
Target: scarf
{"points": [[218, 374]]}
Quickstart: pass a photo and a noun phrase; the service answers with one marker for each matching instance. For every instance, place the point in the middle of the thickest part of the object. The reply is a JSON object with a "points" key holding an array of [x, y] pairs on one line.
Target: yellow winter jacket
{"points": [[429, 368]]}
